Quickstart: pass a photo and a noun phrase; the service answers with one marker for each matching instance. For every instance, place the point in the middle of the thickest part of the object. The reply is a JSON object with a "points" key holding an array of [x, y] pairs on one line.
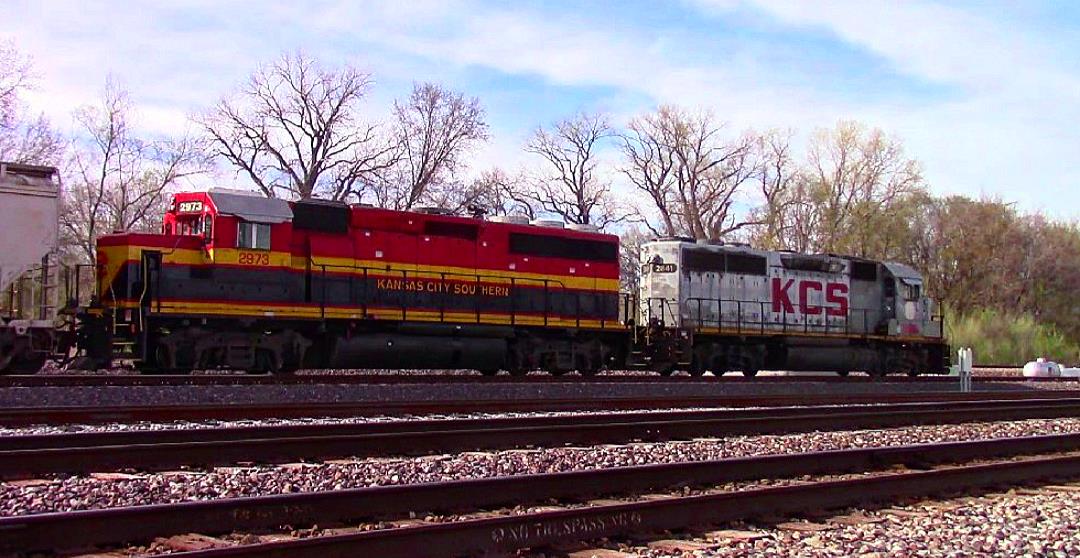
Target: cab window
{"points": [[254, 236], [189, 226]]}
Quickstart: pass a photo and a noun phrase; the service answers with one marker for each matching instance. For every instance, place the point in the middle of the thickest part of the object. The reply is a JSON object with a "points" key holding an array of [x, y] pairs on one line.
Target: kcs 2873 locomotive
{"points": [[244, 282]]}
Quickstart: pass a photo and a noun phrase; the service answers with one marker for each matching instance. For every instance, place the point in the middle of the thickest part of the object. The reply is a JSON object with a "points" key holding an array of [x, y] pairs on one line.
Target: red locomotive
{"points": [[244, 282]]}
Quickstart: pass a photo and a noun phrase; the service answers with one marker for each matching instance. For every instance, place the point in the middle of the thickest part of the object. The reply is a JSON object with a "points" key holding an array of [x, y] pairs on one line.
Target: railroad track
{"points": [[35, 455], [25, 416], [582, 520], [81, 380]]}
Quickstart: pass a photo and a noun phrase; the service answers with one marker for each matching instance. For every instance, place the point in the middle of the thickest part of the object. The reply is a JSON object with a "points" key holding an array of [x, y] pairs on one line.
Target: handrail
{"points": [[805, 325]]}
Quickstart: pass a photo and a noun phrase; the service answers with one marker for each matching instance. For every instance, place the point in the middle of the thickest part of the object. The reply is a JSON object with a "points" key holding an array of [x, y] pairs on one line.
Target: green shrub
{"points": [[1000, 338]]}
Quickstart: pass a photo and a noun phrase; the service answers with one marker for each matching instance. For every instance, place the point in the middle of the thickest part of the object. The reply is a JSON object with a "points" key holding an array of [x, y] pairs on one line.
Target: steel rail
{"points": [[505, 534], [23, 456], [130, 380], [843, 409], [26, 416], [80, 529]]}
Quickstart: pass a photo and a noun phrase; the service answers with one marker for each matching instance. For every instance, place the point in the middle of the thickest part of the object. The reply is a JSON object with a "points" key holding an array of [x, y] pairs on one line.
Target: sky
{"points": [[986, 95]]}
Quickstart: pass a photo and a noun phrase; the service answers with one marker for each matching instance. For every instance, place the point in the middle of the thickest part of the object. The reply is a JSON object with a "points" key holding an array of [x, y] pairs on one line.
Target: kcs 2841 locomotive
{"points": [[731, 307], [244, 282]]}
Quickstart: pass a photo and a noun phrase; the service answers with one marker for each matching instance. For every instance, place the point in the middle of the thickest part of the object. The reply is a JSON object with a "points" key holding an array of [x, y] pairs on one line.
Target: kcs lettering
{"points": [[835, 297]]}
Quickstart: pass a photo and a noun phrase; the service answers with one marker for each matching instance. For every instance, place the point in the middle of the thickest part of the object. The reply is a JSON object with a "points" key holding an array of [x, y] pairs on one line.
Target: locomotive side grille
{"points": [[864, 271], [561, 247], [710, 261], [703, 261], [321, 216], [747, 265]]}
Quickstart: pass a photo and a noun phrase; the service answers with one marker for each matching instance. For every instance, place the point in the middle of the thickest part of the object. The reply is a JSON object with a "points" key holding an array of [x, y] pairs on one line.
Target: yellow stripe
{"points": [[288, 311], [112, 259], [757, 332], [231, 256]]}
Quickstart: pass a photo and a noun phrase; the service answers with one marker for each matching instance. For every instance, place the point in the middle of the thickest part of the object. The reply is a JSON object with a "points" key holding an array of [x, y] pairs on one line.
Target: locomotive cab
{"points": [[907, 311], [190, 214]]}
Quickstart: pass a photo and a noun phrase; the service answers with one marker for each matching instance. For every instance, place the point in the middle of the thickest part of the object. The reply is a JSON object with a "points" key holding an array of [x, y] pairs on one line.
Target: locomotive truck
{"points": [[244, 282]]}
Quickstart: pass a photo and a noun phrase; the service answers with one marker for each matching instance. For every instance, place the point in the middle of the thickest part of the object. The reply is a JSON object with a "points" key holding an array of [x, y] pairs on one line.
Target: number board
{"points": [[663, 268], [189, 207], [253, 258]]}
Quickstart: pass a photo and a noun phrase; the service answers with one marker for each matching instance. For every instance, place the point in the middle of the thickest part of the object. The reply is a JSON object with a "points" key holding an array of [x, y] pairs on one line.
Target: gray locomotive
{"points": [[724, 307]]}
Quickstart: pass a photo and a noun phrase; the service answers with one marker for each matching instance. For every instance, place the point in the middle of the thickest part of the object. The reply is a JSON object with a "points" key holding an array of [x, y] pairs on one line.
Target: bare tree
{"points": [[689, 172], [776, 175], [494, 192], [568, 184], [23, 138], [118, 180], [973, 253], [860, 173], [435, 128], [650, 167], [849, 197], [630, 241], [295, 131]]}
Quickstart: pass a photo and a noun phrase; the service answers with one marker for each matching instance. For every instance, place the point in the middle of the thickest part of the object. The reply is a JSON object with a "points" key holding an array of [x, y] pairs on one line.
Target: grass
{"points": [[1001, 338]]}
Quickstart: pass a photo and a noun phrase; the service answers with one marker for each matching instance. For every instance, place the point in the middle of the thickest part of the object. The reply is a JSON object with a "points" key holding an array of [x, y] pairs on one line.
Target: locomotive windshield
{"points": [[193, 225]]}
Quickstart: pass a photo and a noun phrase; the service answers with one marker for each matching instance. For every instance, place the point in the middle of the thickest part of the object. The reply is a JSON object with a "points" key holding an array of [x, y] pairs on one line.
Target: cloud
{"points": [[1007, 129], [988, 101], [932, 41]]}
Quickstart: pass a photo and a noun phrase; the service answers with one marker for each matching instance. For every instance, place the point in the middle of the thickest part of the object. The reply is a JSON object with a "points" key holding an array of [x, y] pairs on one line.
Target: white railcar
{"points": [[29, 211]]}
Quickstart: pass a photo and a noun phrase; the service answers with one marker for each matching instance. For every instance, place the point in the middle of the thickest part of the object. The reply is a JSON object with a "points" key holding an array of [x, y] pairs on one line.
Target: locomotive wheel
{"points": [[7, 354], [162, 364], [665, 369], [843, 373], [910, 364], [585, 366], [705, 358], [515, 361], [265, 363], [28, 365], [749, 373]]}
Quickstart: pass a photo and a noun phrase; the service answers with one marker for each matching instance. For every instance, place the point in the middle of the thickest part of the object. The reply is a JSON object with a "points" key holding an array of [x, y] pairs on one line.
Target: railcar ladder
{"points": [[49, 283]]}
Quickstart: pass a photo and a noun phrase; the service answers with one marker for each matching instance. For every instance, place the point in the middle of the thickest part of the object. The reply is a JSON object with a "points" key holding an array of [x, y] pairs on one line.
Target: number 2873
{"points": [[253, 258]]}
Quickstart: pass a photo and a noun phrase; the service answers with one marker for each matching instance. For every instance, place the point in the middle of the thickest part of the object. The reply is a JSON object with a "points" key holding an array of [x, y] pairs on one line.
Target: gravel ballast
{"points": [[118, 489], [1037, 522], [204, 424], [16, 397]]}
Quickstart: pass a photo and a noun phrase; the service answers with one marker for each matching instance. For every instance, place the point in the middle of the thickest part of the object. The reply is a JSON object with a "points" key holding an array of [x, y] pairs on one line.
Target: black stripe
{"points": [[282, 286]]}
